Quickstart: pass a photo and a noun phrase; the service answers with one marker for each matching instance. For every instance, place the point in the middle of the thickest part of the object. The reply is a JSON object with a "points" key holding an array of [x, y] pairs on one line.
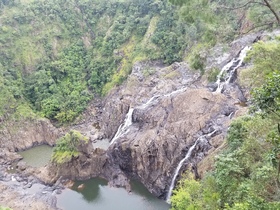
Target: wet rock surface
{"points": [[21, 190]]}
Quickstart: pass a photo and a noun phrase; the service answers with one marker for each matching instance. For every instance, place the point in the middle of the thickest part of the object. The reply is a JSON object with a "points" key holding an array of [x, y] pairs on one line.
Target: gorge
{"points": [[133, 97]]}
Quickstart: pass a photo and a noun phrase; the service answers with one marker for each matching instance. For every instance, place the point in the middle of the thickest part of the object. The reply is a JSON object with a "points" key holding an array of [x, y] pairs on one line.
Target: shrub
{"points": [[67, 147]]}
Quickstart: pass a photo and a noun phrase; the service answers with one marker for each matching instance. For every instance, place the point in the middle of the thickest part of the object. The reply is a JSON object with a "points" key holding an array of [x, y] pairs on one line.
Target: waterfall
{"points": [[188, 155], [229, 69], [143, 106], [124, 127], [178, 170], [176, 91]]}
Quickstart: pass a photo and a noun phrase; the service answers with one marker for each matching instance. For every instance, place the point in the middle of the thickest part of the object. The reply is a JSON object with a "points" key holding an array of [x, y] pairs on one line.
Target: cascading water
{"points": [[188, 155], [178, 169], [124, 127], [143, 106], [228, 71], [175, 92]]}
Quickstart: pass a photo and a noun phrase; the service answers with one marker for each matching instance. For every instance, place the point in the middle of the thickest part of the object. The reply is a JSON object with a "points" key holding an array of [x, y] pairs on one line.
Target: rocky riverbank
{"points": [[21, 190]]}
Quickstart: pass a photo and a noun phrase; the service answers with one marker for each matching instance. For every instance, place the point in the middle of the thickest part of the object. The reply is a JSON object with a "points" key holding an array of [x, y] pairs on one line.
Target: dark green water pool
{"points": [[97, 195]]}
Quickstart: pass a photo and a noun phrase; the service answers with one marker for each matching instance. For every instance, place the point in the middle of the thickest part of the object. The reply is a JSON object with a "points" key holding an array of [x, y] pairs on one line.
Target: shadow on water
{"points": [[90, 191], [139, 189], [97, 195]]}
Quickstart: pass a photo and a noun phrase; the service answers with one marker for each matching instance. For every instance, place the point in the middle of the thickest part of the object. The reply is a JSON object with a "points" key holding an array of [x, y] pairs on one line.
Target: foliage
{"points": [[244, 176], [197, 62], [193, 194], [67, 147], [4, 208], [263, 55], [267, 97], [243, 15], [57, 56], [213, 74]]}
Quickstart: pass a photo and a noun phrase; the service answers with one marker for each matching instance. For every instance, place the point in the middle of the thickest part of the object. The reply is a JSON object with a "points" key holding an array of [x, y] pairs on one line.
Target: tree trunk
{"points": [[272, 10]]}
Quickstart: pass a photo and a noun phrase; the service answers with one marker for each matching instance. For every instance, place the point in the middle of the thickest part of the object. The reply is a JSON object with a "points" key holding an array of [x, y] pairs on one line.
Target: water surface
{"points": [[37, 156], [98, 195]]}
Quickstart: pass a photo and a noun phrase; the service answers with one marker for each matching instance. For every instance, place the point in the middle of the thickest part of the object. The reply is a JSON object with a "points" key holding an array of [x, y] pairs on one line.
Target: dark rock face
{"points": [[162, 134], [19, 136]]}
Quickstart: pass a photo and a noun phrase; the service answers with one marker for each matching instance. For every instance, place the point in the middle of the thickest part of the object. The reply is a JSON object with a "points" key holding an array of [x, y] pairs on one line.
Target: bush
{"points": [[67, 147]]}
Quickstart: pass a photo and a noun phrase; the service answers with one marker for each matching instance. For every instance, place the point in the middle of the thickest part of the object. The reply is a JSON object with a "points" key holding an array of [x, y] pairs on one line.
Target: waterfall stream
{"points": [[178, 169], [124, 127], [228, 71], [188, 155]]}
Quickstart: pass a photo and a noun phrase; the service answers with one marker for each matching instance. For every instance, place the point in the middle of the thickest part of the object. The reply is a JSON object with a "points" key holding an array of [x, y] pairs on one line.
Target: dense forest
{"points": [[57, 55]]}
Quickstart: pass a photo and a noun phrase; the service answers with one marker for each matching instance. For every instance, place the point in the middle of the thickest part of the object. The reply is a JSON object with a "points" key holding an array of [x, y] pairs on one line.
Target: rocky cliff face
{"points": [[170, 108], [21, 135], [162, 133]]}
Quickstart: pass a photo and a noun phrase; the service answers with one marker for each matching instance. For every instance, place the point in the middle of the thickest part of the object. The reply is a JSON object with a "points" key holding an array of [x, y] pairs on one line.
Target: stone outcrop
{"points": [[162, 133], [88, 164], [19, 200], [21, 135]]}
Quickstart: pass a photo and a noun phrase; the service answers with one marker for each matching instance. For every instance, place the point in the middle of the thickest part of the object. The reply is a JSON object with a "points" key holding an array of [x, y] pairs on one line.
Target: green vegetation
{"points": [[247, 172], [215, 21], [212, 74], [67, 147], [4, 208], [244, 15], [55, 57]]}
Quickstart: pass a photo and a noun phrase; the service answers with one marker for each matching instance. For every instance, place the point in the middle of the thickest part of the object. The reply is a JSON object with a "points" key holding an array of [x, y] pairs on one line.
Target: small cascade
{"points": [[188, 155], [231, 115], [176, 91], [228, 71], [178, 170], [143, 106], [124, 127]]}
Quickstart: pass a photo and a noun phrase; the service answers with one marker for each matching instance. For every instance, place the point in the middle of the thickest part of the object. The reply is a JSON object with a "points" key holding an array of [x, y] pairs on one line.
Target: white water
{"points": [[143, 106], [178, 169], [189, 153], [124, 127], [175, 92], [230, 68]]}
